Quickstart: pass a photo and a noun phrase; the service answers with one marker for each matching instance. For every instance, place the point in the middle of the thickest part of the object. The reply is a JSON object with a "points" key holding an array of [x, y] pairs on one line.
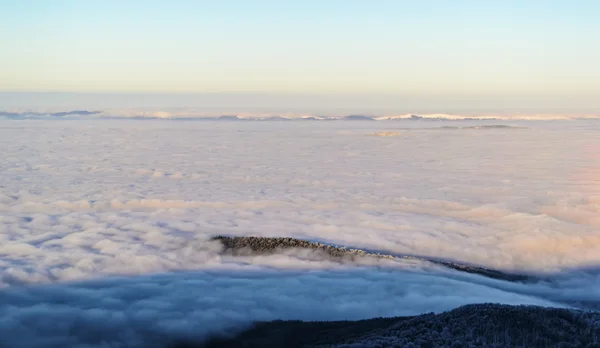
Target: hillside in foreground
{"points": [[479, 325]]}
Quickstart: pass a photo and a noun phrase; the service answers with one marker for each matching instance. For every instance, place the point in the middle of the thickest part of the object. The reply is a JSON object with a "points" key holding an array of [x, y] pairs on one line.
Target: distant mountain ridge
{"points": [[29, 115], [198, 115]]}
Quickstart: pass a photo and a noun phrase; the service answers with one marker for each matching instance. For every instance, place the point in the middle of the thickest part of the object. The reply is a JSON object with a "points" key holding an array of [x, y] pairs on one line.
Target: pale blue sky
{"points": [[511, 50]]}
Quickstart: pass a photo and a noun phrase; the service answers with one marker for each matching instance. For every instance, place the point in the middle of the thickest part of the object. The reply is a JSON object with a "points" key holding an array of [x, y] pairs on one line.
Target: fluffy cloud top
{"points": [[107, 223]]}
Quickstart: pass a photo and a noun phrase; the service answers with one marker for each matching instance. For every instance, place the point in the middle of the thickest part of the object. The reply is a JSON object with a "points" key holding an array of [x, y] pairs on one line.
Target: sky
{"points": [[494, 54]]}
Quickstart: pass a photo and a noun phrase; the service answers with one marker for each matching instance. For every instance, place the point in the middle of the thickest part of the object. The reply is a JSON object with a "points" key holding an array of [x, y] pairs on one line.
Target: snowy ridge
{"points": [[264, 245]]}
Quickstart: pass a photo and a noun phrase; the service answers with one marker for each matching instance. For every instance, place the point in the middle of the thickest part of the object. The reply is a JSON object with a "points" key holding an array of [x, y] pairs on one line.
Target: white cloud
{"points": [[153, 311], [83, 200]]}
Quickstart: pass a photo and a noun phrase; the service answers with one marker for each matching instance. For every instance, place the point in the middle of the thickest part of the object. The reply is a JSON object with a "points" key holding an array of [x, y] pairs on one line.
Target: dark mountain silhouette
{"points": [[75, 112], [358, 118]]}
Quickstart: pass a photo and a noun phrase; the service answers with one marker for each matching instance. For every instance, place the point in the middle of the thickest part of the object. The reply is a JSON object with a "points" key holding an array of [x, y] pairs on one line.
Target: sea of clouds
{"points": [[105, 224]]}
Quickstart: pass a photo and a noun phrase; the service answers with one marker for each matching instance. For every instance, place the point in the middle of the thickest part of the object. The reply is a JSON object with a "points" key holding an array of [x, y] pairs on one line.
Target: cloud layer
{"points": [[109, 222]]}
